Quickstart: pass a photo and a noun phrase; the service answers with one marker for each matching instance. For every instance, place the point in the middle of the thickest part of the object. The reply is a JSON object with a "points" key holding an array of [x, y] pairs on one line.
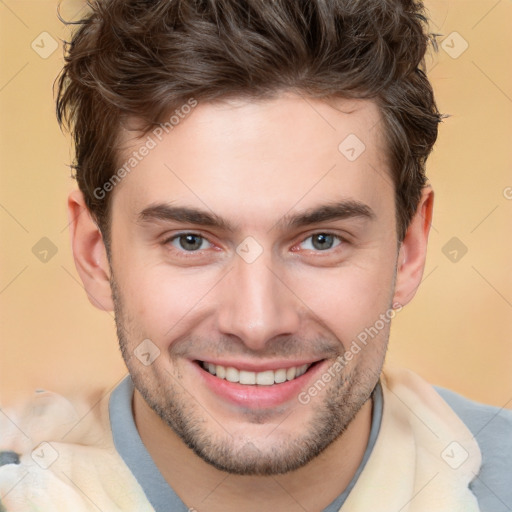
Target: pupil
{"points": [[322, 241], [190, 242]]}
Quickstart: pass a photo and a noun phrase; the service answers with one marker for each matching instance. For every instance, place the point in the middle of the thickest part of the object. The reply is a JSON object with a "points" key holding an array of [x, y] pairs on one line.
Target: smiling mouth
{"points": [[264, 378]]}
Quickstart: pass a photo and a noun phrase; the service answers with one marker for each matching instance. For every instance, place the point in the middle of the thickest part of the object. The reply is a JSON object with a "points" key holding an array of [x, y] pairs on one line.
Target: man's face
{"points": [[215, 261]]}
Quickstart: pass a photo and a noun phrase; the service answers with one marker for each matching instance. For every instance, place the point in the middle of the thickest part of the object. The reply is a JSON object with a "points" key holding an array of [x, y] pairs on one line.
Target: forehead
{"points": [[247, 153]]}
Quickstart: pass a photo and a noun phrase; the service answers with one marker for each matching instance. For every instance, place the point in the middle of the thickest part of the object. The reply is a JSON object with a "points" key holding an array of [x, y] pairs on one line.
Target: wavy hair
{"points": [[145, 58]]}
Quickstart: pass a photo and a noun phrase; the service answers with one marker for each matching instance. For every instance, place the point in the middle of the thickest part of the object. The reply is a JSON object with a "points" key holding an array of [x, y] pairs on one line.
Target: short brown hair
{"points": [[145, 58]]}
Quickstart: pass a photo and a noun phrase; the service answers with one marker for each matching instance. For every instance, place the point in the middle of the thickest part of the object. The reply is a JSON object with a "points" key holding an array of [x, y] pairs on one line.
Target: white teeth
{"points": [[247, 377], [265, 378], [280, 376], [290, 373], [232, 374], [301, 370]]}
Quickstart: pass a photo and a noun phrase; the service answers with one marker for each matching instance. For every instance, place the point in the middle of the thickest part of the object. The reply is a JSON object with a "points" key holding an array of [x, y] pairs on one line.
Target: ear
{"points": [[89, 253], [413, 250]]}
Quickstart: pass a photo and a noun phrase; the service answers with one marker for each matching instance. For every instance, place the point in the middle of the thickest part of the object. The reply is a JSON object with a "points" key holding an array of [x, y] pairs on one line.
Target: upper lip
{"points": [[260, 366]]}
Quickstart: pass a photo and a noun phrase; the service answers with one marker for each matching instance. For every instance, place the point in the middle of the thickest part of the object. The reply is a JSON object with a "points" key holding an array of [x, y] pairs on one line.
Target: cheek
{"points": [[347, 299], [164, 302]]}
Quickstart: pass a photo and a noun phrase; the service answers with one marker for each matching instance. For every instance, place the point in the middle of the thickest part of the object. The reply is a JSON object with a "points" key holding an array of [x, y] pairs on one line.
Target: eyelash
{"points": [[183, 253], [183, 234]]}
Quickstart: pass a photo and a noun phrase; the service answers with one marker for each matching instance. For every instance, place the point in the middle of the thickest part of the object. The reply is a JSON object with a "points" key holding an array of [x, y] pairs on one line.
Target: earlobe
{"points": [[89, 253], [413, 250]]}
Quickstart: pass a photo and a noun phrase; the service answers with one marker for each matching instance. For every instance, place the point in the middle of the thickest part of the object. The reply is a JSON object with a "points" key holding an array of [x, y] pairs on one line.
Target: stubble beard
{"points": [[332, 410]]}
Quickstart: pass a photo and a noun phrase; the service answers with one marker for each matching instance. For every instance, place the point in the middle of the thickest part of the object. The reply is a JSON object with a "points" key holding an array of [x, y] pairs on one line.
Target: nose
{"points": [[256, 304]]}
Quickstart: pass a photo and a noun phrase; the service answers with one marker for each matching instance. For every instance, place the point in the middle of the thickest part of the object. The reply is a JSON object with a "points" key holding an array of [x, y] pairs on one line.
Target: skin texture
{"points": [[254, 164]]}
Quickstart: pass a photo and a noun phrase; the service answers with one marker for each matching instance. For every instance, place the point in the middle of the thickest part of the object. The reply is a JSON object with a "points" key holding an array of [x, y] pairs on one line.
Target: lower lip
{"points": [[256, 396]]}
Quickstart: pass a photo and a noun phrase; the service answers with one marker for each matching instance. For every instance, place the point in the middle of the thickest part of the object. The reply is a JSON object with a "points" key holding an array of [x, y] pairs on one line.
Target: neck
{"points": [[203, 487]]}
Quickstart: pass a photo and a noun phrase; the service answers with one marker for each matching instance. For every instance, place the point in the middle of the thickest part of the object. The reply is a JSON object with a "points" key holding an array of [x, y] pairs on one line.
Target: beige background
{"points": [[456, 333]]}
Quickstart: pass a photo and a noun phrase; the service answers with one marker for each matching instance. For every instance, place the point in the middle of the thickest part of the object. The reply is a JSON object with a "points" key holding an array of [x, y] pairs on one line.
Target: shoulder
{"points": [[491, 426], [45, 415], [492, 429], [53, 448]]}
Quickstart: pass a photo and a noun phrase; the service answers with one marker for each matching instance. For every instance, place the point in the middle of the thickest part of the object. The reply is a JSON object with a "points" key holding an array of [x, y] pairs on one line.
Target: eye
{"points": [[321, 242], [189, 242]]}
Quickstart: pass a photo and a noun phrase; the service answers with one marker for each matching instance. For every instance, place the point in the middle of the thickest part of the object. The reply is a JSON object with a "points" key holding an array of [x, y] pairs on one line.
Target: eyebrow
{"points": [[329, 212], [183, 214]]}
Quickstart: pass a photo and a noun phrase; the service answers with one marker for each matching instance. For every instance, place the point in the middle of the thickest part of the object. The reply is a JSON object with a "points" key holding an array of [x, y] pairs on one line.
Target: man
{"points": [[253, 206]]}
